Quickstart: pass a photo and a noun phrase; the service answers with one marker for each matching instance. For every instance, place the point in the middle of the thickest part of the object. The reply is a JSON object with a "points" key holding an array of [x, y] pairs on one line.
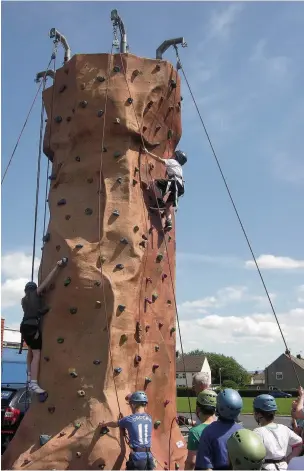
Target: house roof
{"points": [[190, 363], [297, 361], [259, 376]]}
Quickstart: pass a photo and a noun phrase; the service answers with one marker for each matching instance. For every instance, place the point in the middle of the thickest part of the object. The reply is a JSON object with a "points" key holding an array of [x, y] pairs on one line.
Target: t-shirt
{"points": [[212, 450], [194, 436], [296, 463], [139, 428], [278, 441], [174, 170], [32, 305]]}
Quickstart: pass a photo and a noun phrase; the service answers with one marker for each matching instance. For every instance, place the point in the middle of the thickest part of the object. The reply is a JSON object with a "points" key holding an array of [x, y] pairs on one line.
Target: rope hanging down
{"points": [[166, 246], [237, 214]]}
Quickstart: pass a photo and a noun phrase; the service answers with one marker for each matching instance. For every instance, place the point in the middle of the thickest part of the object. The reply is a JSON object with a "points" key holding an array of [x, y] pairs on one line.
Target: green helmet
{"points": [[246, 450], [207, 398]]}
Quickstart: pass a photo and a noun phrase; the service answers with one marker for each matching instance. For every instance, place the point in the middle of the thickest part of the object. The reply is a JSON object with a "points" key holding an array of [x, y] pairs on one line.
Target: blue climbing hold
{"points": [[43, 439], [123, 240], [52, 177], [117, 370], [78, 246], [121, 307], [115, 212], [119, 266]]}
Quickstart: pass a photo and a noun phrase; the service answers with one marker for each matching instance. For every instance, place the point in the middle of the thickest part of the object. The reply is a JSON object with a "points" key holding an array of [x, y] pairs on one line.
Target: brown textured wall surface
{"points": [[95, 331]]}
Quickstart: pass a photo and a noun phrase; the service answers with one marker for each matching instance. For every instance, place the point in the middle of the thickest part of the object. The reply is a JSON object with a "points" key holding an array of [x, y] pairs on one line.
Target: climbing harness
{"points": [[236, 211]]}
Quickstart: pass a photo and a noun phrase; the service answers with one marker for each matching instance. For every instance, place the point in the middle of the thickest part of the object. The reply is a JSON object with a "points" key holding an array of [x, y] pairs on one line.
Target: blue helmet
{"points": [[265, 402], [138, 397], [181, 157], [229, 404], [30, 286]]}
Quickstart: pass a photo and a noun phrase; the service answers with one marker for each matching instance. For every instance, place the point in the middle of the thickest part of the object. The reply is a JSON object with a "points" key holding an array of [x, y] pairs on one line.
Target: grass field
{"points": [[284, 405]]}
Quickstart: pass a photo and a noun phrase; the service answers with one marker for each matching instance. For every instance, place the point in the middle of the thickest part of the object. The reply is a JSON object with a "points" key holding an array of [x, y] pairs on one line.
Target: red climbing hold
{"points": [[148, 280], [166, 402], [148, 301], [155, 367], [160, 325], [164, 276]]}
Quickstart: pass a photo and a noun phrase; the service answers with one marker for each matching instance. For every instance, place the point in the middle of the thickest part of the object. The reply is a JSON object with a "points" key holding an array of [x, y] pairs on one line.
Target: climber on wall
{"points": [[30, 327], [167, 191], [139, 428]]}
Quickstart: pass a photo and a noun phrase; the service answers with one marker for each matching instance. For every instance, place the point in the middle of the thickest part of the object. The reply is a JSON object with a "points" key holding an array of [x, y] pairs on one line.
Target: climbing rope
{"points": [[26, 120], [237, 213]]}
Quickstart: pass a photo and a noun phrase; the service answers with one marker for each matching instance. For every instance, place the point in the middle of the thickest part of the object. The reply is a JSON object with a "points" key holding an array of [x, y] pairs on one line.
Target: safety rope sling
{"points": [[53, 57]]}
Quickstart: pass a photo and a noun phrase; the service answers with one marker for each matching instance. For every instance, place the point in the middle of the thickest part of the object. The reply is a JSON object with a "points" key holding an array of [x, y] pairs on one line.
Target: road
{"points": [[247, 420]]}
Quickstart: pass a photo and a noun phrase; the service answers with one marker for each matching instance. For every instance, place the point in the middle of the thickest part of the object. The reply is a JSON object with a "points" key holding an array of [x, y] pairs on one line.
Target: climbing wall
{"points": [[110, 329]]}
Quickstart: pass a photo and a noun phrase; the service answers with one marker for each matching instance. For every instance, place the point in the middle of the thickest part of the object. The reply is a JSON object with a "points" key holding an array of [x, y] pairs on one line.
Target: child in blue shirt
{"points": [[139, 428], [212, 450]]}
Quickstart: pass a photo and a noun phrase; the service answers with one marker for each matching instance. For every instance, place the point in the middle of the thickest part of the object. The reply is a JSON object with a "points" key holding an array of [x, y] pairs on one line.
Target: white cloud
{"points": [[16, 271], [272, 262], [222, 20], [273, 66]]}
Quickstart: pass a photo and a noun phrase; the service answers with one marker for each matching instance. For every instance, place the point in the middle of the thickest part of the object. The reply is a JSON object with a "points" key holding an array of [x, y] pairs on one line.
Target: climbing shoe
{"points": [[35, 388]]}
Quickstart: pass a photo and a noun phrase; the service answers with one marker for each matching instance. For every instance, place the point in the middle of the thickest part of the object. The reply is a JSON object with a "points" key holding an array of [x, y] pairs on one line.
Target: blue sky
{"points": [[244, 62]]}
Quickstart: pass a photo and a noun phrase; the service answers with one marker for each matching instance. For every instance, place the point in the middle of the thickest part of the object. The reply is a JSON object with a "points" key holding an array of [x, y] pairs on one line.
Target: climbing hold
{"points": [[154, 297], [82, 86], [121, 307], [68, 119], [123, 339], [159, 257], [60, 340], [78, 246], [58, 248], [97, 283], [176, 466], [148, 380], [157, 128], [52, 177], [72, 372], [62, 434], [100, 113], [148, 301], [164, 276], [62, 88], [130, 100], [119, 180], [97, 304], [67, 217], [58, 119], [151, 166], [123, 240], [61, 202], [150, 104], [47, 237], [170, 134], [169, 238], [115, 212], [166, 402], [83, 103], [147, 327], [144, 237], [137, 358], [78, 454], [135, 228], [25, 462], [148, 280], [157, 423], [46, 359], [117, 370], [155, 367], [102, 260], [51, 409], [173, 83], [134, 182], [117, 154], [172, 330], [77, 158], [169, 302], [136, 72], [119, 266], [43, 439], [99, 78], [81, 393], [171, 108], [96, 362], [156, 348], [90, 180], [73, 310], [117, 121], [67, 281], [160, 325], [136, 169], [116, 68], [77, 425], [104, 430], [157, 67], [43, 397], [88, 211], [142, 243]]}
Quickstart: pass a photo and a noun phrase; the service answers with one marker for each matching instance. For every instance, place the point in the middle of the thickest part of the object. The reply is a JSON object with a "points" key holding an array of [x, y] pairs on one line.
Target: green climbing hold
{"points": [[123, 339], [173, 83], [176, 466], [88, 212], [73, 310], [134, 182], [102, 259], [116, 68], [77, 425], [104, 430], [67, 281], [117, 154], [97, 304], [117, 370], [170, 134], [135, 228], [58, 119], [60, 340], [157, 423], [159, 257], [43, 439], [172, 330], [154, 297], [121, 307], [169, 238]]}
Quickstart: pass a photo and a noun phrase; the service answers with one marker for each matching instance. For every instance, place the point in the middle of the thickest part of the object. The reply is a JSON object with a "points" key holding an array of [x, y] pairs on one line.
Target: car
{"points": [[15, 400], [278, 393]]}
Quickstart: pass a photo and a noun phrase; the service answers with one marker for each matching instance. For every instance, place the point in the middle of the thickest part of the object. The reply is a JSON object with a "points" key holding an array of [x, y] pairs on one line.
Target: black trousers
{"points": [[147, 463]]}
